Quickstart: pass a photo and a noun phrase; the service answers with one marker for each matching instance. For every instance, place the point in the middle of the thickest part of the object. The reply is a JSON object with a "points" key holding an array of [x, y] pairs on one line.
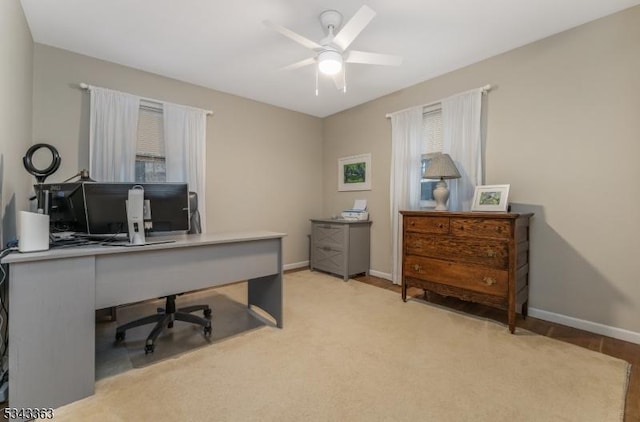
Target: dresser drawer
{"points": [[329, 234], [427, 225], [330, 259], [481, 227], [488, 252], [470, 277]]}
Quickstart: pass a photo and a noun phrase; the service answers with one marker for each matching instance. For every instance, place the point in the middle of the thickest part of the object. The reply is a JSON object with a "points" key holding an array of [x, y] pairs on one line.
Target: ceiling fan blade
{"points": [[301, 63], [365, 57], [351, 29], [292, 35]]}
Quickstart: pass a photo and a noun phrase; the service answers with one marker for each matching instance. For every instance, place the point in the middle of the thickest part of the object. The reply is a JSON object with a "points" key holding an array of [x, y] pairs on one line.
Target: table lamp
{"points": [[441, 167]]}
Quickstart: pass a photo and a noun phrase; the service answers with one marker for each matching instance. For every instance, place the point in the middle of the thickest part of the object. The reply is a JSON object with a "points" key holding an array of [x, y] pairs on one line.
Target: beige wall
{"points": [[563, 129], [16, 73], [561, 111], [263, 166]]}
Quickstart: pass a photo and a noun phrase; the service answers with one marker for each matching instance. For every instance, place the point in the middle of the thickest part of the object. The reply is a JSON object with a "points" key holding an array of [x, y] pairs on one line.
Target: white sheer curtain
{"points": [[406, 143], [185, 140], [113, 131], [461, 133]]}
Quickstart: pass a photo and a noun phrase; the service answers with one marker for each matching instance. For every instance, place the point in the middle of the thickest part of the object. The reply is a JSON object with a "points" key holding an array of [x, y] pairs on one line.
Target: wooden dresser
{"points": [[477, 256]]}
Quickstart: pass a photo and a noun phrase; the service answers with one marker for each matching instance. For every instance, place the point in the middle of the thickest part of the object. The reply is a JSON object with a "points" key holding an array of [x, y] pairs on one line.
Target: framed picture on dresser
{"points": [[490, 198]]}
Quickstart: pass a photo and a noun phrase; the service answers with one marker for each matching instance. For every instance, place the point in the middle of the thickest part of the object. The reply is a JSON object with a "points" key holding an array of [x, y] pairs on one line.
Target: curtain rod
{"points": [[153, 100], [484, 89]]}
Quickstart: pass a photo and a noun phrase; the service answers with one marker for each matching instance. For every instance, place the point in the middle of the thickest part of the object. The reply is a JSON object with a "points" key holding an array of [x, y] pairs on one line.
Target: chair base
{"points": [[165, 318]]}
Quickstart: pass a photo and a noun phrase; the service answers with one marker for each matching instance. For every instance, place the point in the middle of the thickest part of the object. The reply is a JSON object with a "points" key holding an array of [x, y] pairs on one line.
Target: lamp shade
{"points": [[441, 167], [330, 62]]}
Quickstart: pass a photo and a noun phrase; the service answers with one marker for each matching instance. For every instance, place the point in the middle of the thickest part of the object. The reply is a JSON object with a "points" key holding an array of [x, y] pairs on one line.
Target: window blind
{"points": [[150, 132], [432, 131]]}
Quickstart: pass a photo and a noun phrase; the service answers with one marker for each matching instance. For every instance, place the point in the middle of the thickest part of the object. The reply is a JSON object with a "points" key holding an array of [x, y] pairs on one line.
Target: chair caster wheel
{"points": [[207, 331], [207, 313], [120, 336], [170, 325], [149, 348]]}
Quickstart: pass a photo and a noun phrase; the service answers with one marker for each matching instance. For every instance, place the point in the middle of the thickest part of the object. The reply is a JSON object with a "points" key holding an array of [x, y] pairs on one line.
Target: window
{"points": [[150, 156], [431, 144]]}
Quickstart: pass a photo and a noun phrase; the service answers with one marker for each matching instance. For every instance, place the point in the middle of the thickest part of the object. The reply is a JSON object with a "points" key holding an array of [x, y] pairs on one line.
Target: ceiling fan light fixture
{"points": [[329, 62]]}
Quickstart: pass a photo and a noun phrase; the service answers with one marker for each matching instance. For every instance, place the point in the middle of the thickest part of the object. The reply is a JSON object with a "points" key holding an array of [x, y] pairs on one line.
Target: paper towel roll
{"points": [[33, 232]]}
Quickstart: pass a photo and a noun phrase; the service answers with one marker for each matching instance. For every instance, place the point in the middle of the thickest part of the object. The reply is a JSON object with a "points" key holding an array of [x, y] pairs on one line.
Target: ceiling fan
{"points": [[332, 52]]}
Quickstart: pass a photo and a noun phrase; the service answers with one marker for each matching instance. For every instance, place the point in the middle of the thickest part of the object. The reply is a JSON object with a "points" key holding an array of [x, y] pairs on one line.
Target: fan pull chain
{"points": [[316, 80], [344, 79]]}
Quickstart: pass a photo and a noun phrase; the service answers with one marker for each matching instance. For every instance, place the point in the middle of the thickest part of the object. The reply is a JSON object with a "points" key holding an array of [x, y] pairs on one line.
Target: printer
{"points": [[358, 212]]}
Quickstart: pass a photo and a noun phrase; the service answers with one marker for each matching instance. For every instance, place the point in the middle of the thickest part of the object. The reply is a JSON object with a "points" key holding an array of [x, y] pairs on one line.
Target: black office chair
{"points": [[167, 315]]}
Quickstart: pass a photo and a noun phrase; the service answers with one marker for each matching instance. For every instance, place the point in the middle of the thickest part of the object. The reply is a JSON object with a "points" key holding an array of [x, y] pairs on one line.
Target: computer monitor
{"points": [[63, 202], [106, 213]]}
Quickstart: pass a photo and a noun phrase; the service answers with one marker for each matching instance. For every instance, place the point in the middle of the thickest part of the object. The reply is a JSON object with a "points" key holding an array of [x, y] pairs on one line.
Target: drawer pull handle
{"points": [[412, 223], [491, 253], [440, 225], [417, 267], [490, 281], [326, 248]]}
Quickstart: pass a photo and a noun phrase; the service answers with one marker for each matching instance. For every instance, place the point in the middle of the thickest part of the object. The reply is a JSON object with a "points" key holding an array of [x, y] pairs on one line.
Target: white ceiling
{"points": [[223, 45]]}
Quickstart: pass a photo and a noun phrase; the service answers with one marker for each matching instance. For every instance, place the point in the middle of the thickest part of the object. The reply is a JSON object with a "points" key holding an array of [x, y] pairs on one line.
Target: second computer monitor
{"points": [[106, 213]]}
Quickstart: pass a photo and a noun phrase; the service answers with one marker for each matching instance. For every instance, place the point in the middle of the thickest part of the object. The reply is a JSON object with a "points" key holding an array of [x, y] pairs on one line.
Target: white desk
{"points": [[53, 296]]}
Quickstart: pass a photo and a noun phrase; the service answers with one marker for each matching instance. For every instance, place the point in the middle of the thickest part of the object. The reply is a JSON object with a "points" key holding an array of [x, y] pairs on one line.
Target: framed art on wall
{"points": [[354, 172], [490, 198]]}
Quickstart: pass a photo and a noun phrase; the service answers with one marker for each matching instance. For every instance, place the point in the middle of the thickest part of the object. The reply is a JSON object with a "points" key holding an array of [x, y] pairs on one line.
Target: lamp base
{"points": [[441, 195]]}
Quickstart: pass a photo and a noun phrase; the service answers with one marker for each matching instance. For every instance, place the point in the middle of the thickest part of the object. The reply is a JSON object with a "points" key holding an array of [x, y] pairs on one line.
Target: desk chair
{"points": [[167, 315]]}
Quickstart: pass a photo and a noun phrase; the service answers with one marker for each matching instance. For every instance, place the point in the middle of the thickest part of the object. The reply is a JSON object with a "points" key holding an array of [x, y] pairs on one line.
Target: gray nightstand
{"points": [[340, 246]]}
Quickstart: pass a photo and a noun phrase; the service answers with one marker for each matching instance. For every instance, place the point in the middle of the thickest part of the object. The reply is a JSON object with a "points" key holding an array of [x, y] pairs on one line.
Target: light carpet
{"points": [[354, 352]]}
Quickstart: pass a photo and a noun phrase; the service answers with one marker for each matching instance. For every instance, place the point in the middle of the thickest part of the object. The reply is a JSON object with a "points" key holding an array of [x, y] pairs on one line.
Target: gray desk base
{"points": [[53, 296]]}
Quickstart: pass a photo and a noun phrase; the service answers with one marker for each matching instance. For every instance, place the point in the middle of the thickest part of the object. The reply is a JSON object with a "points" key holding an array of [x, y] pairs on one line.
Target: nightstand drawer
{"points": [[427, 225], [488, 252], [469, 277]]}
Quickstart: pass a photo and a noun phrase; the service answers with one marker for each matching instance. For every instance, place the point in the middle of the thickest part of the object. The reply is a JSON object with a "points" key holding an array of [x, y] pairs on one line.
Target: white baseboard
{"points": [[581, 324], [380, 274], [295, 265], [303, 264]]}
